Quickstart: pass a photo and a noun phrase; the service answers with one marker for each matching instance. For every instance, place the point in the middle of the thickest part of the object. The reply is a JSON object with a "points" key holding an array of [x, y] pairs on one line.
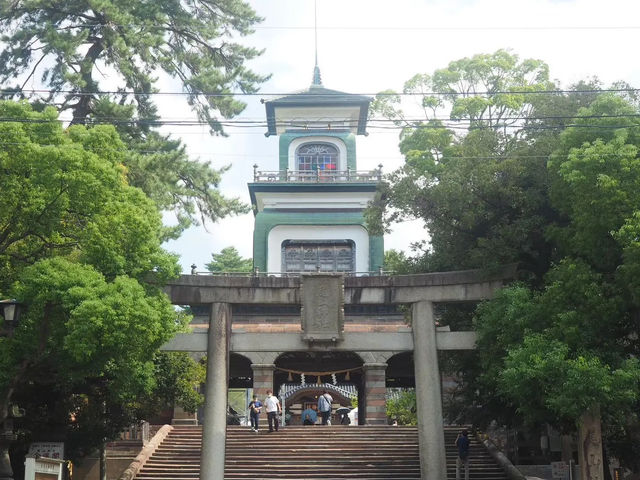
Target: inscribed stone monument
{"points": [[322, 309]]}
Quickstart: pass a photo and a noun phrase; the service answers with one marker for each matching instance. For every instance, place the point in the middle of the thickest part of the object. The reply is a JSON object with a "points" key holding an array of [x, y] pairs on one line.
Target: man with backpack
{"points": [[462, 443], [324, 407]]}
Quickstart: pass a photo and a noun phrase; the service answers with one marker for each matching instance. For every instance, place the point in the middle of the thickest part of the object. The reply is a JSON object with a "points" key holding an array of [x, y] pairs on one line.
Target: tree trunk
{"points": [[82, 109], [590, 445]]}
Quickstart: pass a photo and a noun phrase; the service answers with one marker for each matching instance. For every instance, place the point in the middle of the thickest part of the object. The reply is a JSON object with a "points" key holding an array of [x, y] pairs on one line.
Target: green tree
{"points": [[482, 204], [402, 407], [582, 324], [396, 261], [72, 46], [229, 260], [82, 250], [557, 192]]}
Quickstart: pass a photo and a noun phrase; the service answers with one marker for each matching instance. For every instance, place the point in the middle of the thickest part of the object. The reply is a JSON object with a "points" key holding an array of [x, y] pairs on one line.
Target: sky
{"points": [[366, 46]]}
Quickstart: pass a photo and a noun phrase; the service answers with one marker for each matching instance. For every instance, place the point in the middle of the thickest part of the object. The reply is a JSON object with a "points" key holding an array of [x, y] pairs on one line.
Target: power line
{"points": [[358, 28], [8, 92], [409, 122], [446, 28], [510, 156], [305, 122]]}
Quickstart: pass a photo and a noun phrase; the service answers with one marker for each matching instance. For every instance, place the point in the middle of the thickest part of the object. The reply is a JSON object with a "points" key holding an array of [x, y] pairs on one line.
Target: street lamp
{"points": [[10, 311]]}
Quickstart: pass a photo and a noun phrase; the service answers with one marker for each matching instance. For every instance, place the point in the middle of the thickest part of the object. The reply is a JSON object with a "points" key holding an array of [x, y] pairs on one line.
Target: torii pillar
{"points": [[214, 429], [433, 460]]}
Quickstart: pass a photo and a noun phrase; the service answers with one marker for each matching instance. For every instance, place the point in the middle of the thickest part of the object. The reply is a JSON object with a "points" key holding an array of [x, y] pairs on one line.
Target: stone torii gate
{"points": [[322, 297]]}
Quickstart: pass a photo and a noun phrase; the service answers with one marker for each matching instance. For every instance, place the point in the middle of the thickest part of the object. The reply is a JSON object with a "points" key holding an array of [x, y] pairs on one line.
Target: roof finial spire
{"points": [[317, 81]]}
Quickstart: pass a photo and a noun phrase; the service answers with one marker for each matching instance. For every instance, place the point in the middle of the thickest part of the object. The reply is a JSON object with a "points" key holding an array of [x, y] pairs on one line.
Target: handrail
{"points": [[145, 454], [501, 459], [257, 273], [318, 176]]}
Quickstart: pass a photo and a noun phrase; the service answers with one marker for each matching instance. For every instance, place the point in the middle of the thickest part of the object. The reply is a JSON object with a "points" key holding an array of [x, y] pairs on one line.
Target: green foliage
{"points": [[402, 407], [177, 376], [65, 192], [557, 191], [81, 249], [190, 41], [547, 382], [229, 260], [70, 45], [397, 262], [482, 203]]}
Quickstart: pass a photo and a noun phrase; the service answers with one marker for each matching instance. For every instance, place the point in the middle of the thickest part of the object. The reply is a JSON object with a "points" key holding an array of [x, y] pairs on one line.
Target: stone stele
{"points": [[322, 310]]}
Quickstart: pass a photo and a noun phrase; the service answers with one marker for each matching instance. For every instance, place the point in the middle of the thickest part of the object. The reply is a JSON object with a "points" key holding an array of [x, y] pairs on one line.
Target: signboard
{"points": [[43, 469], [322, 307], [53, 450], [560, 470]]}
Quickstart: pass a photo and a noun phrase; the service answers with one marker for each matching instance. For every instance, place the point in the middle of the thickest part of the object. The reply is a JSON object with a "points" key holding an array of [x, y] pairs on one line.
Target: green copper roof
{"points": [[316, 94]]}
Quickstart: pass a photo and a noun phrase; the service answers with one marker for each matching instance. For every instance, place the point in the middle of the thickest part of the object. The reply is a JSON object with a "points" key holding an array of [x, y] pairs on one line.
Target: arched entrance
{"points": [[300, 377], [240, 373], [240, 381], [401, 371]]}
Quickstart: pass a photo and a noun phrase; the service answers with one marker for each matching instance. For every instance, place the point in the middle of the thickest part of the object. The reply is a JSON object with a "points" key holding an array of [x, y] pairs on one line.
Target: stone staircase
{"points": [[296, 452]]}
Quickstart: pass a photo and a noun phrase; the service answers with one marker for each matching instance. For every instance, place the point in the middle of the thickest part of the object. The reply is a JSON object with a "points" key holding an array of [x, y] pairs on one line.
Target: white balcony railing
{"points": [[318, 176]]}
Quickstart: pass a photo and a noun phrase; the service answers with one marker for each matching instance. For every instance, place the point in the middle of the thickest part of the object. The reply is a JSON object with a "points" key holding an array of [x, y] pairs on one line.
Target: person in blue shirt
{"points": [[324, 407], [255, 406], [309, 414], [462, 443]]}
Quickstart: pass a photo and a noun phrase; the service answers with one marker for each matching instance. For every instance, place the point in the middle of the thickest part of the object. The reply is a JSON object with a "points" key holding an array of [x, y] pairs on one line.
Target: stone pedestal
{"points": [[590, 446], [433, 462], [6, 438], [214, 430], [375, 393]]}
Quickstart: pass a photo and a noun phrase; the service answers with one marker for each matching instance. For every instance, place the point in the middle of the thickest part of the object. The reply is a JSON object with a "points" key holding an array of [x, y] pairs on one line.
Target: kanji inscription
{"points": [[322, 307]]}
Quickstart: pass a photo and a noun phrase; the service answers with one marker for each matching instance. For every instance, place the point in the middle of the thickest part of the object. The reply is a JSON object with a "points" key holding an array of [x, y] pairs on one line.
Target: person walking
{"points": [[273, 408], [462, 444], [324, 407], [255, 406]]}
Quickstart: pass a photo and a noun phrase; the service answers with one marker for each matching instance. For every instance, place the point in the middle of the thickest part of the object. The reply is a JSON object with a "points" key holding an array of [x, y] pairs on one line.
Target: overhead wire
{"points": [[509, 156], [414, 28], [15, 91]]}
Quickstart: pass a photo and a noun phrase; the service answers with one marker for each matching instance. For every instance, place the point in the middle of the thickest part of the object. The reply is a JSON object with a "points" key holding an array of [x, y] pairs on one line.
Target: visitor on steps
{"points": [[324, 407], [255, 406], [462, 443], [273, 408], [311, 413]]}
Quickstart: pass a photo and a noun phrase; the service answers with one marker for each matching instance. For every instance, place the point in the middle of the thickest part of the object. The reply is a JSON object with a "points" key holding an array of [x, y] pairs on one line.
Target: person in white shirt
{"points": [[273, 408]]}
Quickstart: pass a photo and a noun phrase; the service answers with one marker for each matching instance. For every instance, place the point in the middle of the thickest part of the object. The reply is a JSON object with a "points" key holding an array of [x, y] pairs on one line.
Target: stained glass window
{"points": [[313, 157]]}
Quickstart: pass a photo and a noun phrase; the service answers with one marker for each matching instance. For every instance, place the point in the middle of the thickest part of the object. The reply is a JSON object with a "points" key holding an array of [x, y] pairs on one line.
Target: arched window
{"points": [[312, 157]]}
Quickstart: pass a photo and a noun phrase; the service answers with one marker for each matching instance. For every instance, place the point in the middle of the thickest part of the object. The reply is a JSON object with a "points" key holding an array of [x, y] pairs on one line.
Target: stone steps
{"points": [[296, 452]]}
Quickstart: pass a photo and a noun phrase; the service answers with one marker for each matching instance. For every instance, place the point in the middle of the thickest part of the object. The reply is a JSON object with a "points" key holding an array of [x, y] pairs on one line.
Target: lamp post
{"points": [[10, 311]]}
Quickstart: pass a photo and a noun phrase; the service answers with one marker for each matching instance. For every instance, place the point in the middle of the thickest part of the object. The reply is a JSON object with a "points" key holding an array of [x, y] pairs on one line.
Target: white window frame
{"points": [[298, 142]]}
